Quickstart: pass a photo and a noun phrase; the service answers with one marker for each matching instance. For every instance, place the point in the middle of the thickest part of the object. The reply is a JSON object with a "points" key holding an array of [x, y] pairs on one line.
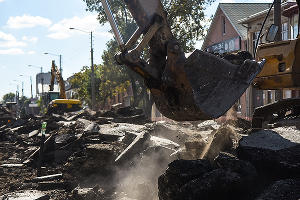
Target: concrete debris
{"points": [[119, 154], [276, 154], [47, 178], [138, 144], [288, 189]]}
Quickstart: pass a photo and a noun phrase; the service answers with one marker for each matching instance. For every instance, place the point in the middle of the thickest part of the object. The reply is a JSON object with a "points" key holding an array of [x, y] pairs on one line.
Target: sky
{"points": [[30, 28]]}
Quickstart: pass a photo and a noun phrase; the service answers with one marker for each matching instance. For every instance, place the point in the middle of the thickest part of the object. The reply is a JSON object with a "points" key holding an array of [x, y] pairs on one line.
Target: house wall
{"points": [[216, 34]]}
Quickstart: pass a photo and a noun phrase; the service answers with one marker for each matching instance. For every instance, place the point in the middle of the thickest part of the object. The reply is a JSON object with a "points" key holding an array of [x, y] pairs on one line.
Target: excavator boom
{"points": [[200, 87]]}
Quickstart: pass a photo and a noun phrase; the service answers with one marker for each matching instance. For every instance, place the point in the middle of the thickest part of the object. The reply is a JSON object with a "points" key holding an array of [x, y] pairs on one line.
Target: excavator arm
{"points": [[200, 87], [55, 73]]}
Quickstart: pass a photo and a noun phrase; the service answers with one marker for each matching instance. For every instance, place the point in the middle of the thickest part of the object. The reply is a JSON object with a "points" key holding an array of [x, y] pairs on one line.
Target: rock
{"points": [[100, 154], [47, 178], [274, 155], [129, 111], [230, 179], [87, 194], [162, 142], [33, 133], [63, 139], [208, 125], [91, 128], [246, 170], [225, 139], [288, 189], [27, 194], [194, 147], [137, 146], [51, 185], [11, 165], [171, 132], [214, 185], [179, 173]]}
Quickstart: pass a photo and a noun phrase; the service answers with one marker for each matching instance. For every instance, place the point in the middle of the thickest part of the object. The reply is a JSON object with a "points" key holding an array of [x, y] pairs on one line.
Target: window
{"points": [[269, 96], [285, 31], [223, 25], [294, 26]]}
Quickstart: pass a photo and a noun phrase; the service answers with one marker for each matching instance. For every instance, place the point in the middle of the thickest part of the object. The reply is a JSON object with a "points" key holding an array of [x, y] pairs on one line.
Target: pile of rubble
{"points": [[117, 154], [263, 165], [120, 155]]}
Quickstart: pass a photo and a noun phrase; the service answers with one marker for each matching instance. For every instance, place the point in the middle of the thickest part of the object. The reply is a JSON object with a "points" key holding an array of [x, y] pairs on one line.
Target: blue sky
{"points": [[29, 28]]}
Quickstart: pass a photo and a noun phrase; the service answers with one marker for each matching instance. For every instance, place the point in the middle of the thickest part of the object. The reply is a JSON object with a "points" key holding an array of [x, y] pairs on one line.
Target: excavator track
{"points": [[271, 113]]}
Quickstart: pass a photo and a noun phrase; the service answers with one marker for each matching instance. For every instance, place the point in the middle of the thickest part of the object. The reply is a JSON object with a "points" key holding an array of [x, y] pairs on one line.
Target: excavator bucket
{"points": [[200, 87], [216, 83]]}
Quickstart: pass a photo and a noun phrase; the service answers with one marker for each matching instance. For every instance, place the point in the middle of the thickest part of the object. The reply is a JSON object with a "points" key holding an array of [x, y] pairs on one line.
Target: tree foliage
{"points": [[9, 97], [186, 17], [109, 80]]}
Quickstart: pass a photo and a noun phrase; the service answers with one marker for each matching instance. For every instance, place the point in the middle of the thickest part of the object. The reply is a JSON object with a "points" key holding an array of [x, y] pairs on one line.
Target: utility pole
{"points": [[277, 22], [92, 67], [93, 74], [22, 88], [42, 85], [60, 69], [31, 87], [277, 19]]}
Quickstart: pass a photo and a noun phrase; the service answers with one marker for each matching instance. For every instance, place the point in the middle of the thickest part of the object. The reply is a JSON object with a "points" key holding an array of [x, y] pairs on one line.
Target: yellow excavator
{"points": [[57, 101], [203, 86]]}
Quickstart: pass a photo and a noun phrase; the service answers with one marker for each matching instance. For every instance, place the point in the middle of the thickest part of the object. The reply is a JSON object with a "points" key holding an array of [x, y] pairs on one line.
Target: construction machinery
{"points": [[57, 101], [202, 86], [8, 112]]}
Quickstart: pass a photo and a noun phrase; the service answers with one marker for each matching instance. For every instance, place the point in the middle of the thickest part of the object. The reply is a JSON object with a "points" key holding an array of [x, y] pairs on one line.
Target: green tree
{"points": [[186, 17], [9, 97], [109, 79]]}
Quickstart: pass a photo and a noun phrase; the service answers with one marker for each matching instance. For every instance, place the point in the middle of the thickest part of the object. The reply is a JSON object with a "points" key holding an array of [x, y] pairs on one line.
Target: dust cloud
{"points": [[139, 180]]}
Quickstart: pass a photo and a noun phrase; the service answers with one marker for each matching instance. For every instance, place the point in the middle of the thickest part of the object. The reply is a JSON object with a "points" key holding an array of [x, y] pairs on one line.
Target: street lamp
{"points": [[30, 84], [92, 67], [22, 87], [59, 55], [36, 67]]}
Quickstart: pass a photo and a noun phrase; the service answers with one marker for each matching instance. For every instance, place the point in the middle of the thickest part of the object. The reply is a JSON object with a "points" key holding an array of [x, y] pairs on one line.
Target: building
{"points": [[43, 81], [227, 34]]}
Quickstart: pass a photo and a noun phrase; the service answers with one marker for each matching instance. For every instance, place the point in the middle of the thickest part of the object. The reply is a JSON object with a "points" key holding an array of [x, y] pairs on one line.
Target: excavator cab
{"points": [[200, 87]]}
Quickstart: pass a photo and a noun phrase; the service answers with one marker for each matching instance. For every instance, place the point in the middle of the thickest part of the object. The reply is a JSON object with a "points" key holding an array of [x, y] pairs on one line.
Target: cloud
{"points": [[61, 30], [5, 36], [27, 21], [59, 35], [9, 41], [1, 1], [30, 39], [12, 51], [31, 52]]}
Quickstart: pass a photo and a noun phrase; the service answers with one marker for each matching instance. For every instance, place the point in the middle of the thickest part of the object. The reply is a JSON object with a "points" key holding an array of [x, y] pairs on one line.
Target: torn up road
{"points": [[119, 154]]}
